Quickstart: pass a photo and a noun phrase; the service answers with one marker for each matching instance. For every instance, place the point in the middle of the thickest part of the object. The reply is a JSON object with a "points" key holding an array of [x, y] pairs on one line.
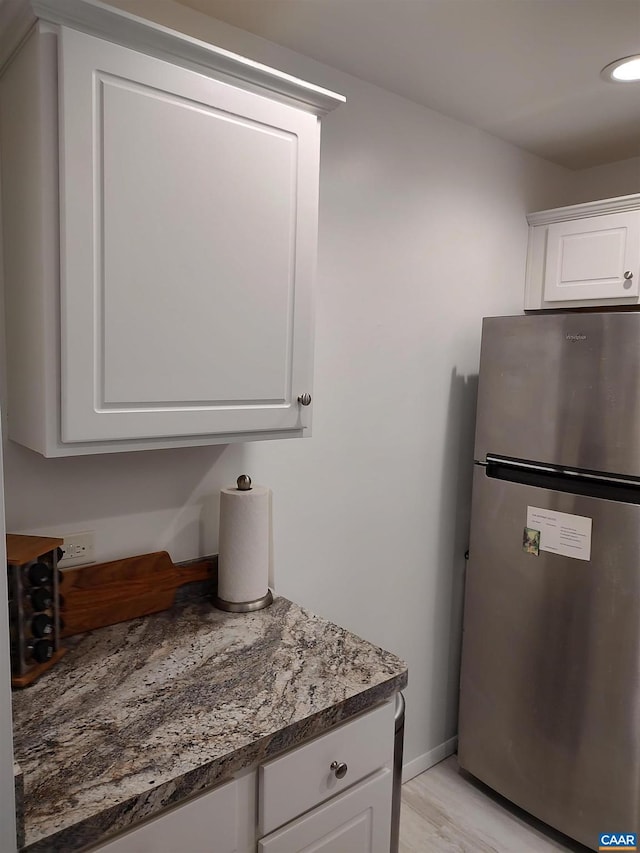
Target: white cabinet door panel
{"points": [[587, 258], [179, 288], [303, 777], [207, 824], [357, 821], [188, 231]]}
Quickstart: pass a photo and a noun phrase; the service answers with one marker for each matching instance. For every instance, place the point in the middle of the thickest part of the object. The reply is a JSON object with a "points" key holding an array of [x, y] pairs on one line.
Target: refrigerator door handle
{"points": [[536, 467], [562, 480]]}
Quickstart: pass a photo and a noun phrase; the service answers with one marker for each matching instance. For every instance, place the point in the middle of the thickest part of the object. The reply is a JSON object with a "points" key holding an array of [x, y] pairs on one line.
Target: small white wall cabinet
{"points": [[161, 265], [331, 795], [585, 255]]}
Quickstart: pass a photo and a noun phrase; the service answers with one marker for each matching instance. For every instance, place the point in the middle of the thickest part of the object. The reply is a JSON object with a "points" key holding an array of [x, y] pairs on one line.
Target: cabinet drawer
{"points": [[303, 777], [358, 821]]}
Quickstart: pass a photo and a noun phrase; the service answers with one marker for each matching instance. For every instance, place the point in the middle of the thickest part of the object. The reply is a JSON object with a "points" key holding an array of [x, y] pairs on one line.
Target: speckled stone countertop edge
{"points": [[103, 825], [304, 635], [19, 797]]}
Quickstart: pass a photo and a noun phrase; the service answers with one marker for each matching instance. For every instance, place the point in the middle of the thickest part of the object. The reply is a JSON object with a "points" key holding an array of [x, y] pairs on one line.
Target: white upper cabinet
{"points": [[189, 219], [173, 292], [586, 255]]}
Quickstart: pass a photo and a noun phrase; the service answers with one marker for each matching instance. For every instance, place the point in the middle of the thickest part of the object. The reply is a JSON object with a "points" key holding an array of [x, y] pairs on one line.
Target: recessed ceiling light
{"points": [[625, 70]]}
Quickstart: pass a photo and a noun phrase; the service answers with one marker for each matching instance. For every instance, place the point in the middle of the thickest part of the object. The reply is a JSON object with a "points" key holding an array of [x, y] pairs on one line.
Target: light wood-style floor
{"points": [[444, 811]]}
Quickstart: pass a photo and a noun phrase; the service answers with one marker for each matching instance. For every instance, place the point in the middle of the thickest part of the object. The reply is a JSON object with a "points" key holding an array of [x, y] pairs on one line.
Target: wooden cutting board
{"points": [[104, 594]]}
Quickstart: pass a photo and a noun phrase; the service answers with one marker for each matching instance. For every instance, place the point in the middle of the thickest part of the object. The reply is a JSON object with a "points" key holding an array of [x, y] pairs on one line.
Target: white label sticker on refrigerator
{"points": [[561, 533]]}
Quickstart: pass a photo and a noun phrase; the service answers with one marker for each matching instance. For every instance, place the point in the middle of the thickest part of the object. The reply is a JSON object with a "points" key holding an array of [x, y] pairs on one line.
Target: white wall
{"points": [[608, 181], [422, 232]]}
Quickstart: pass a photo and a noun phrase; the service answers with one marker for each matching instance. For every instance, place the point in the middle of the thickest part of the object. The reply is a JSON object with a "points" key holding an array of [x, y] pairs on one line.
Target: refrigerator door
{"points": [[550, 689], [561, 389]]}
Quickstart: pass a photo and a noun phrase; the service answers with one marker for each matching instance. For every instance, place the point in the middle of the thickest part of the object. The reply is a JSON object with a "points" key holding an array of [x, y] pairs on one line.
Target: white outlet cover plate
{"points": [[79, 549]]}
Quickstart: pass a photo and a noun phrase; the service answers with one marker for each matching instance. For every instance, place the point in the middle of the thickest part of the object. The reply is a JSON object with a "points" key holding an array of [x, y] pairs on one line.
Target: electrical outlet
{"points": [[78, 549]]}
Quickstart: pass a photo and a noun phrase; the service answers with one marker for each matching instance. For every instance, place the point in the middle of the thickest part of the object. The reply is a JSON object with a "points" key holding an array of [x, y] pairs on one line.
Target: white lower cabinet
{"points": [[358, 821], [316, 771], [220, 821], [330, 795], [334, 793]]}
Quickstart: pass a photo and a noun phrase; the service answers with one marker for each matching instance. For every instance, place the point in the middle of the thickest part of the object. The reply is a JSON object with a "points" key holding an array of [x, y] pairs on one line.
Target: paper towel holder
{"points": [[243, 484]]}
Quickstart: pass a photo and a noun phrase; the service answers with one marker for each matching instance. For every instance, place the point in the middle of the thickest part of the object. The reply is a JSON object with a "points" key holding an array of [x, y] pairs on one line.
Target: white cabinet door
{"points": [[357, 821], [188, 235], [593, 258], [221, 821], [302, 778]]}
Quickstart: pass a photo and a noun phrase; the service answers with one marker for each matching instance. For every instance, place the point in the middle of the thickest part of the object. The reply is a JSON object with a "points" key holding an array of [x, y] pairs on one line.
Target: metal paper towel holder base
{"points": [[243, 606]]}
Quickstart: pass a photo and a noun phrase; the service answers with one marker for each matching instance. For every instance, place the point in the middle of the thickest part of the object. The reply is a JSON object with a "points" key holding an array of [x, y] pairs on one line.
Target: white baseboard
{"points": [[428, 759]]}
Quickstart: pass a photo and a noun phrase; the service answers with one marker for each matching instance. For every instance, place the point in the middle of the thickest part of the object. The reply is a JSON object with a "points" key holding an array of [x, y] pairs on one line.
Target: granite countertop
{"points": [[143, 714]]}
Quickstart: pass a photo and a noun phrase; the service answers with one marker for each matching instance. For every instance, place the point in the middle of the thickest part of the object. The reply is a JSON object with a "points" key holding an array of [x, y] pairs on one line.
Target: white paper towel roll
{"points": [[244, 544]]}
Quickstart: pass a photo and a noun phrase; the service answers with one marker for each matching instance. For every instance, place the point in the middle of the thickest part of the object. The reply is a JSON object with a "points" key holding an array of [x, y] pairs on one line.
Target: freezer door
{"points": [[562, 389], [550, 690]]}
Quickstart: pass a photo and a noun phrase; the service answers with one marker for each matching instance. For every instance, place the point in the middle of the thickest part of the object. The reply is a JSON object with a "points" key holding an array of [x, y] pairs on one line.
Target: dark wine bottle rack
{"points": [[34, 606]]}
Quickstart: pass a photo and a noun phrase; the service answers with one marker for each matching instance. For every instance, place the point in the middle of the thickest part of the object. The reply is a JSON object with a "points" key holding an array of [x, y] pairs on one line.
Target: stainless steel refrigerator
{"points": [[550, 681]]}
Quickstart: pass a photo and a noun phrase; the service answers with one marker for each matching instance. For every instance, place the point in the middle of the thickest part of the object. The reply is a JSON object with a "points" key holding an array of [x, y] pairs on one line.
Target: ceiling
{"points": [[527, 71]]}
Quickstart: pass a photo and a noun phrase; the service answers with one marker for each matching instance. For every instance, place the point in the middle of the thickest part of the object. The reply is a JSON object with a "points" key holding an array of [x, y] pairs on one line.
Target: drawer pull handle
{"points": [[340, 770]]}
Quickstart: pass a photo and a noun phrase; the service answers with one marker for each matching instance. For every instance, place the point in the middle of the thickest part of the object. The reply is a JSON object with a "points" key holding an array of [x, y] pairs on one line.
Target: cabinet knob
{"points": [[628, 274], [339, 769], [304, 399]]}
